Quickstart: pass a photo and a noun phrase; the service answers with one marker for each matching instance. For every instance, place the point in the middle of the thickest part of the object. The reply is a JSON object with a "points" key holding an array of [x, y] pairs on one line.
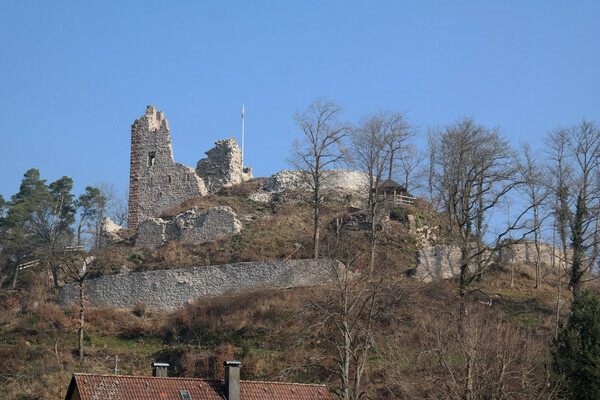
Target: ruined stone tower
{"points": [[223, 166], [156, 181]]}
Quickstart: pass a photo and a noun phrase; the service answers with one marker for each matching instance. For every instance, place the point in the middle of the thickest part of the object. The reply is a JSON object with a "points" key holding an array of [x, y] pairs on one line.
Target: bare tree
{"points": [[505, 362], [432, 178], [370, 153], [575, 153], [77, 268], [319, 149], [561, 171], [396, 135], [584, 145], [343, 316], [475, 172], [409, 162], [535, 186]]}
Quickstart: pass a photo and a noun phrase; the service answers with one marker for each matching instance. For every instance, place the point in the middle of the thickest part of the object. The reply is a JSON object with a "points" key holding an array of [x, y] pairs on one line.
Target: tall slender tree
{"points": [[319, 149], [475, 167], [535, 187], [21, 226]]}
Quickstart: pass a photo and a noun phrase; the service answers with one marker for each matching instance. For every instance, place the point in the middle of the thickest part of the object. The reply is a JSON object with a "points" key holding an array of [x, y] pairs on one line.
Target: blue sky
{"points": [[75, 75]]}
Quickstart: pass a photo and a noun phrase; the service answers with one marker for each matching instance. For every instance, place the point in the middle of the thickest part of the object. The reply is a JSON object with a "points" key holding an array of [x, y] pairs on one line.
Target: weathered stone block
{"points": [[189, 227], [151, 233], [109, 233], [346, 180], [223, 166], [216, 223]]}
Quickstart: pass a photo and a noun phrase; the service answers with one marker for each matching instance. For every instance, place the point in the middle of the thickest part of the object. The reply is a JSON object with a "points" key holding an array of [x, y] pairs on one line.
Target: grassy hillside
{"points": [[419, 345]]}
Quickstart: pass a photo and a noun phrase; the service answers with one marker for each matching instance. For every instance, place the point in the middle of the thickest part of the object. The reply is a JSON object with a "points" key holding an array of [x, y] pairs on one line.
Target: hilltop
{"points": [[275, 332]]}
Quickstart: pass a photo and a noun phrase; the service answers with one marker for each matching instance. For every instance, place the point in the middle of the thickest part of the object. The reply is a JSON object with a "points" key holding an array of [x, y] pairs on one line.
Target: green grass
{"points": [[527, 320], [137, 345]]}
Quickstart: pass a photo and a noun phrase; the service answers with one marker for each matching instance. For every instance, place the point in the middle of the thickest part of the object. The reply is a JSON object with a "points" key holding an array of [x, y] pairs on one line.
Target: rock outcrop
{"points": [[223, 166], [109, 233], [188, 227]]}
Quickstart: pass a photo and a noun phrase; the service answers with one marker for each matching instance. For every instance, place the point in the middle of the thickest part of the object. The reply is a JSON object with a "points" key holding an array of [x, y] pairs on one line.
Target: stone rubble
{"points": [[188, 227]]}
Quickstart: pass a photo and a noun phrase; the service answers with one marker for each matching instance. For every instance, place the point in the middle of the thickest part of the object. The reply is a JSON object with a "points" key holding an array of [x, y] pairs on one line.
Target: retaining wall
{"points": [[168, 290]]}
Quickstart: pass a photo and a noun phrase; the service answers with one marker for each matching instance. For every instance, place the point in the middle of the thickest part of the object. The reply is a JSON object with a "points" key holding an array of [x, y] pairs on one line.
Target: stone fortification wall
{"points": [[442, 262], [438, 262], [223, 166], [188, 227], [333, 179], [168, 290], [156, 181], [337, 184], [526, 253]]}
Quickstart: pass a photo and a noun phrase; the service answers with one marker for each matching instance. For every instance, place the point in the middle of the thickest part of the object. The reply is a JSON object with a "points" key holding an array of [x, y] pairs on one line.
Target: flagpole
{"points": [[242, 135]]}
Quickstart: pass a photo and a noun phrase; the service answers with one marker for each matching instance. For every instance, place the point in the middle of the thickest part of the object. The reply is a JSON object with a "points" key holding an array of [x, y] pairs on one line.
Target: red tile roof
{"points": [[118, 387]]}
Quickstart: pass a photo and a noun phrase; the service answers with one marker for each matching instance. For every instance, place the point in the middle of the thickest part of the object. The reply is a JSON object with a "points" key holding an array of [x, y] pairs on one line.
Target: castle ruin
{"points": [[157, 182]]}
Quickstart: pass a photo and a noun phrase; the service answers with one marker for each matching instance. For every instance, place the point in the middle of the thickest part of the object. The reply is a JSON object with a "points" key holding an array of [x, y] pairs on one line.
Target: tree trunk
{"points": [[316, 222], [391, 160], [373, 238], [538, 277], [16, 273], [81, 319], [80, 225], [469, 380], [577, 268], [346, 355]]}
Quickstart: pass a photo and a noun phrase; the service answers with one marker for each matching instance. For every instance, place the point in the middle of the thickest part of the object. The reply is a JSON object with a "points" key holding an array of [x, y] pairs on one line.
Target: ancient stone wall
{"points": [[341, 179], [443, 262], [156, 182], [223, 166], [188, 227], [169, 290], [345, 185], [526, 253], [438, 262]]}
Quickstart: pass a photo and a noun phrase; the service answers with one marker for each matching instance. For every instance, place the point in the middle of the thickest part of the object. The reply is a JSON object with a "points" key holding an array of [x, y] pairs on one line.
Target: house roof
{"points": [[391, 184], [120, 387]]}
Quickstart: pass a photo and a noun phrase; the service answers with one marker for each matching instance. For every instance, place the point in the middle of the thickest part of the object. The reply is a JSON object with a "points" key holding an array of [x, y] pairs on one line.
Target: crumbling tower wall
{"points": [[223, 166], [156, 181]]}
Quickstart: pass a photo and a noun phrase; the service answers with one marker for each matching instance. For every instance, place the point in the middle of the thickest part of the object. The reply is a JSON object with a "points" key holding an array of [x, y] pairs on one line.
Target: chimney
{"points": [[232, 380], [160, 369]]}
